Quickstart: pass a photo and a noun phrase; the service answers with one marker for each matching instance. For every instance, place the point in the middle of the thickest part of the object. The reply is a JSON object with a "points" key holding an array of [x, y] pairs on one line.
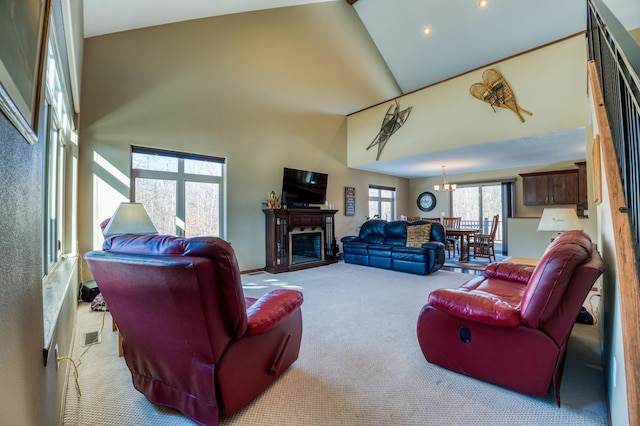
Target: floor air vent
{"points": [[91, 338]]}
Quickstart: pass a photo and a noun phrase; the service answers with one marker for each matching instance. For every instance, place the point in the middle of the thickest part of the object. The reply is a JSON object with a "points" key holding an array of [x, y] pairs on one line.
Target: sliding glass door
{"points": [[476, 204]]}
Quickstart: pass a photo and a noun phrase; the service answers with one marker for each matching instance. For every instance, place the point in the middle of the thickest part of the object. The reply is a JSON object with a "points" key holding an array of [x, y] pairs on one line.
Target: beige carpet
{"points": [[360, 364]]}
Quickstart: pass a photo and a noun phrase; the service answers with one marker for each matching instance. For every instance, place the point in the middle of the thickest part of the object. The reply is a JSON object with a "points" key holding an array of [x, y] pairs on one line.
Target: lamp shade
{"points": [[130, 218], [559, 220]]}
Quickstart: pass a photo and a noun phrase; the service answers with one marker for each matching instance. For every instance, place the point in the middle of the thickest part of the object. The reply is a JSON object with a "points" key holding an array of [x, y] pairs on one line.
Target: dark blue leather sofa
{"points": [[382, 244]]}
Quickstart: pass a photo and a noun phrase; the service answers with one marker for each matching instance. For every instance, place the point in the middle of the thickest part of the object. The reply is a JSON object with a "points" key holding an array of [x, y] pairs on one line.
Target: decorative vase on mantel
{"points": [[273, 201]]}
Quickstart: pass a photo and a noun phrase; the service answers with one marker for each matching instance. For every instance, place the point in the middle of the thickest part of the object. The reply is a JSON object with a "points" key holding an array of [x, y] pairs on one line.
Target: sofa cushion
{"points": [[418, 235], [395, 233], [491, 301], [380, 250], [372, 231], [509, 271], [356, 247], [411, 254]]}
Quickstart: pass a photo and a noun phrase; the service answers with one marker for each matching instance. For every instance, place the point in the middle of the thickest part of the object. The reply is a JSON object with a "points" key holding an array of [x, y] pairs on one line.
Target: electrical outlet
{"points": [[56, 352]]}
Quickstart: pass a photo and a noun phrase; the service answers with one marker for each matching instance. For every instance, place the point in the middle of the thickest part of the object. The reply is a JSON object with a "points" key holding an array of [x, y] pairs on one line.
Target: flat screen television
{"points": [[301, 188]]}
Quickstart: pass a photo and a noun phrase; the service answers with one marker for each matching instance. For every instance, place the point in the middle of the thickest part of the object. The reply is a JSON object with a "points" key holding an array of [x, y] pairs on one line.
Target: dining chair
{"points": [[451, 222], [452, 242], [483, 243]]}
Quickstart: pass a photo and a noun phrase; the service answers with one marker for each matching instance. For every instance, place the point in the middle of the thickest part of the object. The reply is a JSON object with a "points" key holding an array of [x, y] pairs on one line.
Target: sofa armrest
{"points": [[350, 239], [433, 245], [509, 271], [475, 305], [271, 309]]}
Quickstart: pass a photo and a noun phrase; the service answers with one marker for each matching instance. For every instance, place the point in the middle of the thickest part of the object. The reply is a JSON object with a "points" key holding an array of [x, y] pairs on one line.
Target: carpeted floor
{"points": [[360, 364]]}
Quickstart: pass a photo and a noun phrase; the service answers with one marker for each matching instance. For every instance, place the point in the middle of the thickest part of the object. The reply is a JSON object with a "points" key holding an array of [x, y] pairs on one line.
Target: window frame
{"points": [[181, 178], [507, 191], [380, 199], [57, 133]]}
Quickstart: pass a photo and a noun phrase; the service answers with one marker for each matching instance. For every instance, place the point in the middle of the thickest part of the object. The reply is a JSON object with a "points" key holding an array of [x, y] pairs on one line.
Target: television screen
{"points": [[301, 188]]}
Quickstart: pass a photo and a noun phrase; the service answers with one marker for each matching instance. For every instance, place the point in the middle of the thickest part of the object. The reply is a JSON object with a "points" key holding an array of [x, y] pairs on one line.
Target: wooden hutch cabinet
{"points": [[555, 187], [299, 239]]}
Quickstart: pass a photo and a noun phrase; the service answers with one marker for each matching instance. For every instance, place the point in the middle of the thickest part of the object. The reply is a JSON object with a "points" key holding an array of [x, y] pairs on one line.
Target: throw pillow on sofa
{"points": [[418, 235]]}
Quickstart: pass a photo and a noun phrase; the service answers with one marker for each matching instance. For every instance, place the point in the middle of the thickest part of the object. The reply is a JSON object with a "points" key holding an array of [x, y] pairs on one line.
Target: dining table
{"points": [[465, 240]]}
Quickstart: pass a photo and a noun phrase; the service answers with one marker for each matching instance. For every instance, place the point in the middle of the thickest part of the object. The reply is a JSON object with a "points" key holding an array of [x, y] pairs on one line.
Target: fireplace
{"points": [[307, 245], [309, 232]]}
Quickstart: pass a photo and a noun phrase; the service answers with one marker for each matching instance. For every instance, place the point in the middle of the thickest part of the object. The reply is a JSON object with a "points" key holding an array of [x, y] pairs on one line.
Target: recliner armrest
{"points": [[509, 271], [270, 309], [475, 305]]}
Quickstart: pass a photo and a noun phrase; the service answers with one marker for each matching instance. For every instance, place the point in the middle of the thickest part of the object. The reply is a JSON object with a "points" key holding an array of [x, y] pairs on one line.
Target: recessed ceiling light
{"points": [[426, 30], [483, 3]]}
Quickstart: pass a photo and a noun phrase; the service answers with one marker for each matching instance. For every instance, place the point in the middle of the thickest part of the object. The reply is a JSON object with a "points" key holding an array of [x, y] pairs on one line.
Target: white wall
{"points": [[627, 12], [258, 89], [549, 82], [611, 324]]}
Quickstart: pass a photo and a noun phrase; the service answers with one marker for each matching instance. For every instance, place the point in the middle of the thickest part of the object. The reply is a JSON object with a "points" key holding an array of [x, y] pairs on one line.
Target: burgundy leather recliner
{"points": [[511, 325], [191, 340]]}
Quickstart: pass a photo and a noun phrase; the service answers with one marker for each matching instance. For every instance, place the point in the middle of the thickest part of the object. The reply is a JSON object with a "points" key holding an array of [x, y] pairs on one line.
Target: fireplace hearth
{"points": [[306, 246]]}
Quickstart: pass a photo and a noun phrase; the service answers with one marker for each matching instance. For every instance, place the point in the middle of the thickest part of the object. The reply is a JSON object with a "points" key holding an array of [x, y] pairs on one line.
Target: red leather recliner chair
{"points": [[510, 326], [191, 340]]}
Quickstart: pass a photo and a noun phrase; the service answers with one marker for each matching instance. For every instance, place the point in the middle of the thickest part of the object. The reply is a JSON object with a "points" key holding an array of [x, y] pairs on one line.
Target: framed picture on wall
{"points": [[349, 201], [23, 31]]}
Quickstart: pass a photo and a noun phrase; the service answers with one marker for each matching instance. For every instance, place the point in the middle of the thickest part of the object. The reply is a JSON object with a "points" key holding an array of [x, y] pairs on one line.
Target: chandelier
{"points": [[446, 186]]}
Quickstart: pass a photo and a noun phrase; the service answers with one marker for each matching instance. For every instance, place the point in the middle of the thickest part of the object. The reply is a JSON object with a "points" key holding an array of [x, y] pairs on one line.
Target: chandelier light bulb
{"points": [[446, 186]]}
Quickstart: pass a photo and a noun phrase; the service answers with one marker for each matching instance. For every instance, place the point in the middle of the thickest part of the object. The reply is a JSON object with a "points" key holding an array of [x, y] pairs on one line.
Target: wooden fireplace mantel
{"points": [[281, 223]]}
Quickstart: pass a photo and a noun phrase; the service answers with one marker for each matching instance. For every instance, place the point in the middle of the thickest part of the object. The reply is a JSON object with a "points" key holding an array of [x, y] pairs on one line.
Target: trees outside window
{"points": [[182, 193], [382, 202], [477, 204]]}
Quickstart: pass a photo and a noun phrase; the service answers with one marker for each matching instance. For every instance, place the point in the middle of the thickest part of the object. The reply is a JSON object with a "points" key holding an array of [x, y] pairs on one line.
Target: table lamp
{"points": [[559, 220], [130, 218]]}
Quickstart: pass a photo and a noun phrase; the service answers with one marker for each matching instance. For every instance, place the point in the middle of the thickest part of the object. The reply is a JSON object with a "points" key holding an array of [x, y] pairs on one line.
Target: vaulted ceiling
{"points": [[462, 37]]}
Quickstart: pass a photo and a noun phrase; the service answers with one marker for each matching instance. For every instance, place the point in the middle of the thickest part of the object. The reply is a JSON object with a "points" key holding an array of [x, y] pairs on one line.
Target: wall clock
{"points": [[426, 201]]}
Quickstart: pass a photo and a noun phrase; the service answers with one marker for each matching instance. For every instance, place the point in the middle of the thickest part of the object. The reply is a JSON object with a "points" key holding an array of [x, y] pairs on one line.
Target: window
{"points": [[477, 203], [382, 202], [183, 193], [58, 134]]}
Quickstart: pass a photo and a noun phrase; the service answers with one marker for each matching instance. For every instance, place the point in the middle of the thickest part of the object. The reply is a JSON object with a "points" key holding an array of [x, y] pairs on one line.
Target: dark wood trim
{"points": [[629, 291], [351, 1], [251, 271], [552, 172]]}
